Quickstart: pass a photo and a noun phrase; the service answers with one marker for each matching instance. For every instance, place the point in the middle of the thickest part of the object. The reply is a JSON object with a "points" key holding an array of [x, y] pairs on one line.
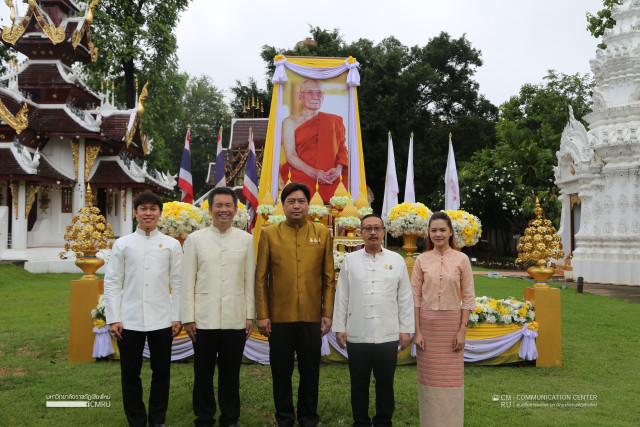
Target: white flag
{"points": [[409, 185], [451, 188], [391, 189]]}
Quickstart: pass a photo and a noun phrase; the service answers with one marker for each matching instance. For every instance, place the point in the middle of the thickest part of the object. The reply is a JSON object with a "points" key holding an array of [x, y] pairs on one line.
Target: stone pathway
{"points": [[624, 292]]}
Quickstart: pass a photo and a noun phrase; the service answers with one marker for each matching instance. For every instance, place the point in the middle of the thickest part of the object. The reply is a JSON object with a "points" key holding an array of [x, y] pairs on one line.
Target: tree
{"points": [[134, 36], [427, 90], [500, 184], [598, 23]]}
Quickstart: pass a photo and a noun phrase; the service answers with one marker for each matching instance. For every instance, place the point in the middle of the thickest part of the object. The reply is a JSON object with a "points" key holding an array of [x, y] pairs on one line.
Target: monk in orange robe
{"points": [[314, 144]]}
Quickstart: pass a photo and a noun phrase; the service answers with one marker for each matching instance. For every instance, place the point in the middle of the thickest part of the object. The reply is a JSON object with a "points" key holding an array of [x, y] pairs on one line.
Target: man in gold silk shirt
{"points": [[295, 286]]}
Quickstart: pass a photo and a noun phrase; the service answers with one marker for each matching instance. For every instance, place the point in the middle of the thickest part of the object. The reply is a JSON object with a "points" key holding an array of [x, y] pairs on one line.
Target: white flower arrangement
{"points": [[349, 221], [467, 228], [276, 219], [502, 312], [97, 314], [318, 210], [338, 257], [265, 209], [339, 201], [241, 218], [408, 218], [364, 211]]}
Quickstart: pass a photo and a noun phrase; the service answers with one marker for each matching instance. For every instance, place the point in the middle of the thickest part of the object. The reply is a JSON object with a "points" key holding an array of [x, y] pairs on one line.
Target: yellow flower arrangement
{"points": [[502, 312], [278, 58], [467, 228], [533, 326], [351, 60], [408, 218], [181, 219]]}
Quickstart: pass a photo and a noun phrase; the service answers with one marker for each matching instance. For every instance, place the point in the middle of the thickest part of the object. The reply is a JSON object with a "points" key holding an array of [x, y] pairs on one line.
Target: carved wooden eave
{"points": [[20, 121], [13, 33], [112, 171]]}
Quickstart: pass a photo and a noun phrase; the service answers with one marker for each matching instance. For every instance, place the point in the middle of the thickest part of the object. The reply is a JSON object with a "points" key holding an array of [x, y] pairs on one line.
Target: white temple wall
{"points": [[60, 153]]}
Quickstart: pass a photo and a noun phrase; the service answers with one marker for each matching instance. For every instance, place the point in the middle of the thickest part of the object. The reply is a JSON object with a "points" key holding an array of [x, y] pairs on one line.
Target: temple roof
{"points": [[240, 133], [115, 171], [15, 166]]}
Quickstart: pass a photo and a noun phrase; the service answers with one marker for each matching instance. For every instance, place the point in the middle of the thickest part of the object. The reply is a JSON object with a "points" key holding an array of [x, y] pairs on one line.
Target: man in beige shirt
{"points": [[295, 287], [218, 307]]}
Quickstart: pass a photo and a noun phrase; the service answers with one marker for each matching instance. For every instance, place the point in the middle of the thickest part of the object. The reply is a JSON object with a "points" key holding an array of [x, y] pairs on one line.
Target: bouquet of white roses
{"points": [[276, 219], [265, 209], [339, 201], [338, 257], [97, 314], [241, 218], [349, 221], [181, 219], [318, 210], [364, 211]]}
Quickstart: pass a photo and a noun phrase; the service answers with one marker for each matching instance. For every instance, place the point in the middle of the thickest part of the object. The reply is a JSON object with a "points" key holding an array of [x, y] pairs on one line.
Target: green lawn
{"points": [[601, 351]]}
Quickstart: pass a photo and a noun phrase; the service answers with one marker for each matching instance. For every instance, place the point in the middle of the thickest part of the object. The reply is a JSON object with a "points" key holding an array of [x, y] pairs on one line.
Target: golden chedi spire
{"points": [[316, 199], [267, 199], [279, 210], [361, 201], [349, 210]]}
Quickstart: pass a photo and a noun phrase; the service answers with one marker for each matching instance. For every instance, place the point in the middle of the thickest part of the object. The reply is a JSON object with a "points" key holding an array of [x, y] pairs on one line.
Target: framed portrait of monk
{"points": [[313, 135]]}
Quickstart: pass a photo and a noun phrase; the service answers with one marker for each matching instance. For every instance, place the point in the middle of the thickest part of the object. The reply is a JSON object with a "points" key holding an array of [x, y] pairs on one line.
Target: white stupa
{"points": [[598, 170]]}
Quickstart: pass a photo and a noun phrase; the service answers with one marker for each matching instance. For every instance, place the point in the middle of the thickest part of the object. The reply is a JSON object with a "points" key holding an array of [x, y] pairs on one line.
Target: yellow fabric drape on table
{"points": [[486, 331]]}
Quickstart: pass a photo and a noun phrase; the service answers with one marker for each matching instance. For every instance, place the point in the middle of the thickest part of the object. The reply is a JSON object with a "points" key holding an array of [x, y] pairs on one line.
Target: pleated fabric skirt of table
{"points": [[440, 370]]}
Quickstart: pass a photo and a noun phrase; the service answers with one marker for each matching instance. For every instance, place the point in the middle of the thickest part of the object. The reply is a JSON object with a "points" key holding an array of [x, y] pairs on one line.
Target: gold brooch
{"points": [[160, 245]]}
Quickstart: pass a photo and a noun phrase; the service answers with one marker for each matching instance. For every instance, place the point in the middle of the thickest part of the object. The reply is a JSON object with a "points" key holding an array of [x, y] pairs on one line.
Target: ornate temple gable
{"points": [[51, 29], [134, 128], [576, 150]]}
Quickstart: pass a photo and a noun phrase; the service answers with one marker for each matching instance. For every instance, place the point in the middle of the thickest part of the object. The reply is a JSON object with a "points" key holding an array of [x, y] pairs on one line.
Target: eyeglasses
{"points": [[313, 93], [370, 229]]}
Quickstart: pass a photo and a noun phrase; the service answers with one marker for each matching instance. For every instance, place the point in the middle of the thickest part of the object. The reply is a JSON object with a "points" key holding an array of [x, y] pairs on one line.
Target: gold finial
{"points": [[220, 128], [89, 196], [188, 127], [244, 109], [141, 98], [136, 84], [411, 134], [261, 106], [450, 135], [101, 85], [389, 133], [113, 85], [250, 129], [208, 158], [253, 101]]}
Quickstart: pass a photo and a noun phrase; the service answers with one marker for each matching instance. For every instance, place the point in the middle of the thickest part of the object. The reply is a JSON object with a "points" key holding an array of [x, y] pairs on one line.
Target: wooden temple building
{"points": [[57, 135]]}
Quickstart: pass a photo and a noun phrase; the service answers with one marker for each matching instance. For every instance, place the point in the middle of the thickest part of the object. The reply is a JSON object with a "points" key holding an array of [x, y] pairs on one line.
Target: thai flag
{"points": [[220, 179], [185, 181], [250, 186]]}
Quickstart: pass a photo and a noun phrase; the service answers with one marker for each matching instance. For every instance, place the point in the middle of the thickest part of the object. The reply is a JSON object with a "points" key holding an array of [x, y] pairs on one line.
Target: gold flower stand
{"points": [[84, 297]]}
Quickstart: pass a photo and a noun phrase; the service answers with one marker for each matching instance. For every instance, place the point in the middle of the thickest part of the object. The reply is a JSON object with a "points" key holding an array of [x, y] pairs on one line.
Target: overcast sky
{"points": [[519, 39]]}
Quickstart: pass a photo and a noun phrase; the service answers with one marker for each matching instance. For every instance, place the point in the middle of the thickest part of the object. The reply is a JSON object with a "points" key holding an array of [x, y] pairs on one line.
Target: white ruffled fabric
{"points": [[477, 350], [102, 346]]}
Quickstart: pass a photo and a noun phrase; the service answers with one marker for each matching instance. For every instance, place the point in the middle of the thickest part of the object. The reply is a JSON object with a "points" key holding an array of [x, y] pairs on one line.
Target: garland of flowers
{"points": [[364, 211], [318, 210], [408, 218], [503, 312], [338, 257], [349, 221], [265, 209], [276, 219], [339, 201], [97, 314], [467, 228]]}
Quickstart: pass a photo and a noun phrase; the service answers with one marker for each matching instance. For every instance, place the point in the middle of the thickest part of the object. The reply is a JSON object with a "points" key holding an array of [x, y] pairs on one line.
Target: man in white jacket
{"points": [[373, 314], [218, 307], [140, 305]]}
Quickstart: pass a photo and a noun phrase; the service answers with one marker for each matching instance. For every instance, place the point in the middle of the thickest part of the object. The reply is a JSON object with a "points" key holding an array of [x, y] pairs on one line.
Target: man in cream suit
{"points": [[218, 307]]}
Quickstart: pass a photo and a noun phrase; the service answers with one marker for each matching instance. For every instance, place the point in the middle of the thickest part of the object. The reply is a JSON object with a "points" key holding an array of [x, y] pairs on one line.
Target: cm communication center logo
{"points": [[546, 400]]}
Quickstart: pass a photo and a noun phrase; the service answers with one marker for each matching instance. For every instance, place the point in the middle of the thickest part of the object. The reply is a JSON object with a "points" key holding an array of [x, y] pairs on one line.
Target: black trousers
{"points": [[287, 340], [131, 346], [227, 345], [381, 359]]}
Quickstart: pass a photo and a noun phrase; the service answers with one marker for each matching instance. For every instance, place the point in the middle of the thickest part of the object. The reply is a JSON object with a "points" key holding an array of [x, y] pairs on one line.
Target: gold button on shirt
{"points": [[295, 280]]}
